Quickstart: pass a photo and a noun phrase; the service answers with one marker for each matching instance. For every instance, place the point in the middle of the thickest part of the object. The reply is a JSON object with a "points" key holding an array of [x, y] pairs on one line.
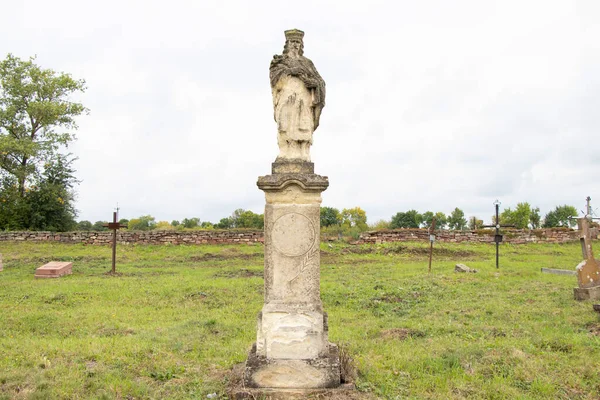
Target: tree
{"points": [[143, 223], [535, 218], [409, 219], [330, 216], [175, 223], [84, 226], [475, 223], [561, 216], [47, 203], [456, 219], [191, 222], [36, 118], [248, 219], [354, 217], [519, 217], [440, 219], [224, 223], [99, 226], [164, 226]]}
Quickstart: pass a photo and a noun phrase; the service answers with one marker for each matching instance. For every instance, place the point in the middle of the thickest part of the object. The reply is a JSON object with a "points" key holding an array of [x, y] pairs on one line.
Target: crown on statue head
{"points": [[294, 34]]}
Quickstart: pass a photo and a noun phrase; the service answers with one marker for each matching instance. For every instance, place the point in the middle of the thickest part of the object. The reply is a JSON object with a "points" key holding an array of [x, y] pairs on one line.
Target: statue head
{"points": [[294, 46]]}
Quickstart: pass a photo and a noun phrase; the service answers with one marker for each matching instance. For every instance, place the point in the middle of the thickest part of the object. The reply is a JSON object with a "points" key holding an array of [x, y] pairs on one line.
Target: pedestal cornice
{"points": [[278, 182]]}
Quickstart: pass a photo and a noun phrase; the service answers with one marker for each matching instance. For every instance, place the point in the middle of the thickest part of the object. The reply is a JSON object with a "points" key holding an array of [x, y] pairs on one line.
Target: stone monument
{"points": [[292, 349], [588, 271]]}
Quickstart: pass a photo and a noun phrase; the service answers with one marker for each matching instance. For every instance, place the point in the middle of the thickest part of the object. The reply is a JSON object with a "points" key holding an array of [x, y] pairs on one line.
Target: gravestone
{"points": [[54, 269], [292, 349], [588, 271]]}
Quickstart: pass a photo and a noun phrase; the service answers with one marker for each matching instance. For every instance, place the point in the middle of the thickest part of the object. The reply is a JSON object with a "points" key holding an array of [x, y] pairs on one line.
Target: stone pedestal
{"points": [[590, 293], [292, 349], [54, 269]]}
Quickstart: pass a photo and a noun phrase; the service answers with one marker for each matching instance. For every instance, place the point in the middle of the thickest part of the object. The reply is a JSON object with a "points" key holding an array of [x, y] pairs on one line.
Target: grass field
{"points": [[176, 319]]}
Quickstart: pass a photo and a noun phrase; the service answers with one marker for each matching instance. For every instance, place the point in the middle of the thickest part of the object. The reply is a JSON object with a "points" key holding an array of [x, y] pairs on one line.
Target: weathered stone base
{"points": [[344, 391], [54, 269], [592, 293], [318, 373]]}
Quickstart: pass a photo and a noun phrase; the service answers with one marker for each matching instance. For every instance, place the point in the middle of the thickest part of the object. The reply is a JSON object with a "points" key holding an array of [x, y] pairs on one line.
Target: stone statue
{"points": [[298, 98]]}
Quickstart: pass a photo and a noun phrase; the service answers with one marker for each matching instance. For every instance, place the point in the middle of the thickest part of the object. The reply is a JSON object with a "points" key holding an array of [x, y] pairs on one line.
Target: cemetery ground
{"points": [[175, 320]]}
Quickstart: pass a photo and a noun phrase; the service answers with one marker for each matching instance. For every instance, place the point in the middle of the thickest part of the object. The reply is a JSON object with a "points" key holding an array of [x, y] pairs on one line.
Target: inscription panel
{"points": [[293, 234]]}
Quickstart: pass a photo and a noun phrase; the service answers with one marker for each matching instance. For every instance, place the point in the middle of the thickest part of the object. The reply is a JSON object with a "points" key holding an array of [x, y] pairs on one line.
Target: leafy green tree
{"points": [[535, 218], [475, 223], [330, 216], [380, 225], [47, 204], [99, 226], [248, 219], [143, 223], [224, 223], [409, 219], [456, 219], [124, 222], [355, 217], [206, 225], [164, 226], [36, 118], [175, 222], [519, 217], [84, 226], [440, 219], [191, 222], [561, 216]]}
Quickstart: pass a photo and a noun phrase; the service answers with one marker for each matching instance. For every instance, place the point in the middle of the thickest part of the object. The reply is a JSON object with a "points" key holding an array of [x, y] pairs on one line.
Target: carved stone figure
{"points": [[298, 98], [292, 349]]}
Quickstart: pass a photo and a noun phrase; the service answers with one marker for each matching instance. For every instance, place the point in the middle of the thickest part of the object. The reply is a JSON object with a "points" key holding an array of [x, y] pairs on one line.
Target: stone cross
{"points": [[114, 226], [588, 271], [292, 349]]}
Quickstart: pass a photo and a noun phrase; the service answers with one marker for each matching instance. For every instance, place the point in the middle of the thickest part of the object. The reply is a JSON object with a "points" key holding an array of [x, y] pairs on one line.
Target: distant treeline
{"points": [[352, 221]]}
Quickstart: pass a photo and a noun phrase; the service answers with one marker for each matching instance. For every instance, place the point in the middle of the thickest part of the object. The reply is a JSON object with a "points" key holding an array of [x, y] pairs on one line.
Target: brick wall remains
{"points": [[139, 237], [556, 235], [515, 236]]}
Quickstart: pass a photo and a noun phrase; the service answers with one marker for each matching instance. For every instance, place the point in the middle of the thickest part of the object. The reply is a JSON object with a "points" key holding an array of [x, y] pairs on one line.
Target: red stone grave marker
{"points": [[54, 269]]}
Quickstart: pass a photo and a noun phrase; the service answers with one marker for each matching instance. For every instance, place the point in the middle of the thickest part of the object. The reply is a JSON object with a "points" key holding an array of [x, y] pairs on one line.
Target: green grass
{"points": [[176, 319]]}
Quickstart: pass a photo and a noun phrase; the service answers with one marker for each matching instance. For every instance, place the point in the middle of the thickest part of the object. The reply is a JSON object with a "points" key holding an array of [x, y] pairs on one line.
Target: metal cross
{"points": [[431, 240], [498, 237], [114, 226]]}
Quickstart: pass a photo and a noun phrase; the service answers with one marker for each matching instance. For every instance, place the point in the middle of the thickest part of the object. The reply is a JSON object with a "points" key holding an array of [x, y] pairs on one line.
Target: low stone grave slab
{"points": [[54, 269]]}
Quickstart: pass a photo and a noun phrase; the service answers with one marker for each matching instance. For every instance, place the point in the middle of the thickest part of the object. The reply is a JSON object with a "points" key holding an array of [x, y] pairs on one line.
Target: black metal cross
{"points": [[431, 240], [114, 226], [498, 237]]}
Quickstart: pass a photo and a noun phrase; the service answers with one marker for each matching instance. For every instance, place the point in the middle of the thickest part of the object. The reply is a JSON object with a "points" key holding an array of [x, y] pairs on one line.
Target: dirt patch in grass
{"points": [[229, 255], [401, 333], [107, 331], [594, 329], [411, 251], [241, 273]]}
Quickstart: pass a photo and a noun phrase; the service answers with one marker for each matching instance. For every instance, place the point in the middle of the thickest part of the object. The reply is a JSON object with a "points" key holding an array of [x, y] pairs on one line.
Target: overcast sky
{"points": [[430, 105]]}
